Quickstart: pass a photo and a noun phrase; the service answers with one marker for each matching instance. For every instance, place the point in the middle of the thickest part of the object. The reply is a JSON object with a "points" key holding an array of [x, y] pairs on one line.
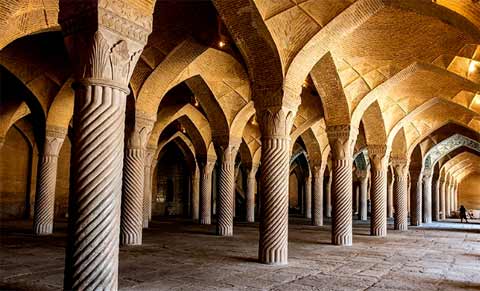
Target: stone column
{"points": [[441, 189], [317, 204], [379, 160], [328, 196], [341, 139], [196, 194], [448, 201], [308, 196], [400, 196], [2, 142], [206, 190], [147, 186], [275, 125], [104, 55], [416, 197], [226, 190], [436, 200], [362, 211], [132, 220], [390, 202], [455, 195], [251, 183], [46, 181], [427, 197]]}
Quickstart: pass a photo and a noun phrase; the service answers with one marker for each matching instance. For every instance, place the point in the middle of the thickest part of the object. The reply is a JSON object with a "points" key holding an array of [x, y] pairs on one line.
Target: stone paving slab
{"points": [[179, 255]]}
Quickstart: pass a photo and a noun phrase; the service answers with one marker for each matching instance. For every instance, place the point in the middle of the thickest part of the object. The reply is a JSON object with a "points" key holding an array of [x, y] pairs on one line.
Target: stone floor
{"points": [[178, 255]]}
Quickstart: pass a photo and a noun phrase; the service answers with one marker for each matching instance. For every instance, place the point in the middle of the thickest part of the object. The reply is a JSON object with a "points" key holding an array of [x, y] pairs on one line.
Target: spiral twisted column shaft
{"points": [[196, 195], [104, 61], [427, 198], [275, 124], [448, 201], [341, 138], [308, 197], [390, 207], [379, 160], [436, 201], [328, 196], [443, 204], [251, 182], [226, 191], [363, 207], [400, 195], [133, 204], [401, 207], [317, 197], [378, 226], [206, 191], [46, 181], [416, 198], [147, 186], [92, 253]]}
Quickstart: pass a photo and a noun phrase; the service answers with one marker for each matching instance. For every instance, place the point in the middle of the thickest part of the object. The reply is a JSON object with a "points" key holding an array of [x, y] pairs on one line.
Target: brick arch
{"points": [[223, 74], [399, 145], [22, 18], [445, 147], [257, 47], [198, 126], [352, 17], [374, 125], [185, 145], [60, 111], [409, 72], [436, 126], [241, 120], [10, 112]]}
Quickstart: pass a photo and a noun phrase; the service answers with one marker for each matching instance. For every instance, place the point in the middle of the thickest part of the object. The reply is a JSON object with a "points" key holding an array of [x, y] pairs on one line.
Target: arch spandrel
{"points": [[223, 74], [374, 125]]}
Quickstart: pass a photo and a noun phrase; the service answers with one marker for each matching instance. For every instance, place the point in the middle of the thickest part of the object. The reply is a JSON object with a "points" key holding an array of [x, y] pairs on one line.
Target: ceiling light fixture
{"points": [[221, 44]]}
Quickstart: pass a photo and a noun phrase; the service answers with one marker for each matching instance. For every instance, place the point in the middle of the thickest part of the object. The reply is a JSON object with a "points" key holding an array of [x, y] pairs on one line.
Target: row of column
{"points": [[434, 198]]}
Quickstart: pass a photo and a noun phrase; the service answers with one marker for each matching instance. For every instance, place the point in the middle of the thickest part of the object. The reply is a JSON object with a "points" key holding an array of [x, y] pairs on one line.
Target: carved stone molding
{"points": [[79, 16], [140, 133]]}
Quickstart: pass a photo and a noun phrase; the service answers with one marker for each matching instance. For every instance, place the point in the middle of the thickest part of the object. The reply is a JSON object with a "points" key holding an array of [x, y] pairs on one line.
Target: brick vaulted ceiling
{"points": [[398, 69]]}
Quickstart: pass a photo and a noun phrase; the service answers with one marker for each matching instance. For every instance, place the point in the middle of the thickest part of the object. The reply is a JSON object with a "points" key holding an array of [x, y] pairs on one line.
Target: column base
{"points": [[401, 227], [225, 231], [145, 223], [130, 240], [342, 240], [205, 221], [378, 232], [315, 223], [249, 219], [43, 229], [274, 257]]}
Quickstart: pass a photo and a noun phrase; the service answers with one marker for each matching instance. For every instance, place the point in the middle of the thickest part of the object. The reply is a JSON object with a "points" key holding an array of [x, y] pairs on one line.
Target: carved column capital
{"points": [[318, 170], [400, 166], [140, 132], [54, 137], [149, 155], [276, 121], [378, 156], [342, 139]]}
